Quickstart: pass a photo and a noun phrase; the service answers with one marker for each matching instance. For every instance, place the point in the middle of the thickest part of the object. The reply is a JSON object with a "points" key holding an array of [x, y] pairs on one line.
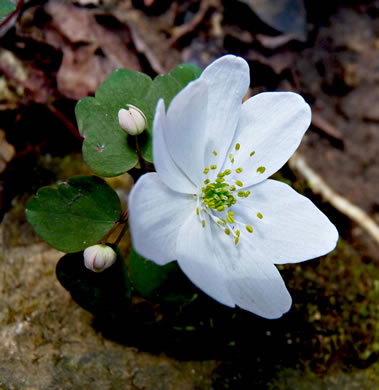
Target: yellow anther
{"points": [[220, 174], [207, 181], [236, 240], [220, 208], [259, 215], [203, 223], [215, 153], [239, 183], [249, 228], [261, 169], [239, 170], [237, 147], [231, 213], [230, 156], [227, 172], [223, 221], [227, 231], [230, 219], [252, 153], [213, 166], [232, 160], [238, 233], [232, 188], [197, 211], [241, 194], [220, 180], [247, 193], [206, 170]]}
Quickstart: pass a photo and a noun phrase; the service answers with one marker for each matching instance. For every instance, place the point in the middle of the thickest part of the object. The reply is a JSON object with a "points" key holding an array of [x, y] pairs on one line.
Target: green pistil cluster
{"points": [[218, 195]]}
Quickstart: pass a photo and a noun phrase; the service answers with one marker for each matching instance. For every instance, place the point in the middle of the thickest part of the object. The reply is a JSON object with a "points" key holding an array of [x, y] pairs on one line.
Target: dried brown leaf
{"points": [[90, 51], [7, 151]]}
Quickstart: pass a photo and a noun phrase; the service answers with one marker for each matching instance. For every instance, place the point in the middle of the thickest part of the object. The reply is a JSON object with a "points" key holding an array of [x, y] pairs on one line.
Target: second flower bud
{"points": [[132, 120]]}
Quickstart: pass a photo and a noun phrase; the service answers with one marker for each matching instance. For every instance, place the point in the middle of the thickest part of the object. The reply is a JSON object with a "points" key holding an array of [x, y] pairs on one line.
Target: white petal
{"points": [[231, 274], [186, 123], [255, 284], [164, 164], [228, 79], [272, 125], [292, 229], [155, 215], [203, 254]]}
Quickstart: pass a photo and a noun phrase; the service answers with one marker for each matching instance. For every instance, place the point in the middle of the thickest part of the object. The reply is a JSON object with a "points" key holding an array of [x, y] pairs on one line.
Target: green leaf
{"points": [[6, 8], [159, 282], [75, 215], [106, 148], [185, 73], [104, 293]]}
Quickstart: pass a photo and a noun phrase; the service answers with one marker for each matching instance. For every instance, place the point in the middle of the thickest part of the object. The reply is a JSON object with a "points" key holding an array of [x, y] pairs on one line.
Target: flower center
{"points": [[218, 195], [217, 198]]}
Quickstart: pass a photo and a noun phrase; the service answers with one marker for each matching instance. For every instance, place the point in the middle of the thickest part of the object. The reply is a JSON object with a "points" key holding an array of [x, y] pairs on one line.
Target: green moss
{"points": [[338, 297]]}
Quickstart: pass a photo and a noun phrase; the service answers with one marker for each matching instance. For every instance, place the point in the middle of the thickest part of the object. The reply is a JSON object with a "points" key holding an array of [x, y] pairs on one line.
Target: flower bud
{"points": [[132, 120], [97, 258]]}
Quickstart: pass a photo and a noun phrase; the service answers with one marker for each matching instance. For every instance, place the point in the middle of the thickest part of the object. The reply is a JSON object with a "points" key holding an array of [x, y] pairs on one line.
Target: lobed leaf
{"points": [[106, 148], [6, 8], [75, 215]]}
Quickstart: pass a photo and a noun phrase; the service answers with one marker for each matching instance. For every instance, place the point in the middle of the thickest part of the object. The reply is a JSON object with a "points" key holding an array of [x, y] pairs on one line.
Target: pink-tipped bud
{"points": [[97, 258], [132, 120]]}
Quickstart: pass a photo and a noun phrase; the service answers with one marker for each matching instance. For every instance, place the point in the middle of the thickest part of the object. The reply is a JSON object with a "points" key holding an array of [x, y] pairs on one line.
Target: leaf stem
{"points": [[140, 158], [115, 226], [121, 234], [122, 221]]}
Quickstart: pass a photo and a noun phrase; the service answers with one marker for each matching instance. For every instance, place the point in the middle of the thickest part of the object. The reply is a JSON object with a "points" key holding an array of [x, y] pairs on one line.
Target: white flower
{"points": [[210, 205]]}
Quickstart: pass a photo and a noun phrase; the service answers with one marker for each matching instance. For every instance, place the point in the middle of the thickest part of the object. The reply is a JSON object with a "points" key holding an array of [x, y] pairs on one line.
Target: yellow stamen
{"points": [[230, 219], [261, 169], [249, 228]]}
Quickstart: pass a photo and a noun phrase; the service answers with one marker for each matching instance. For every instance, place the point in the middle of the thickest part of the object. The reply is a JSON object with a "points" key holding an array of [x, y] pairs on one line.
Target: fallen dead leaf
{"points": [[278, 62], [274, 42], [7, 151], [90, 51]]}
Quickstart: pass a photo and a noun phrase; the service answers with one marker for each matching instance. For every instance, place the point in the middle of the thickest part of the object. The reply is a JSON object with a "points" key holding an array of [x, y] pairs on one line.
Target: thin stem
{"points": [[140, 158], [124, 216], [105, 238], [121, 234]]}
